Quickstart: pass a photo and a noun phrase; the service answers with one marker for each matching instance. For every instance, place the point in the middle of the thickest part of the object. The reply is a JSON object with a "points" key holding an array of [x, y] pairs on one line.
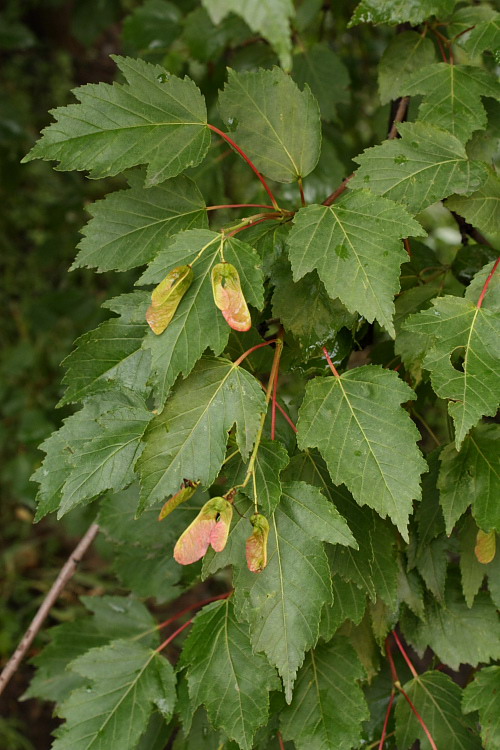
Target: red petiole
{"points": [[487, 283], [248, 161], [328, 359]]}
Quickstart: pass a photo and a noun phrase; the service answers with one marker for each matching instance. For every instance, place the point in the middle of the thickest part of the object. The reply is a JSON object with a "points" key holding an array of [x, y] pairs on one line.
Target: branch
{"points": [[66, 573], [401, 112], [400, 116], [467, 230]]}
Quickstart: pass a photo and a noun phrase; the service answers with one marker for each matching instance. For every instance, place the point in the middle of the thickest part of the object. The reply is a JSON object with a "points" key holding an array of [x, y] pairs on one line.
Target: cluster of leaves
{"points": [[359, 525]]}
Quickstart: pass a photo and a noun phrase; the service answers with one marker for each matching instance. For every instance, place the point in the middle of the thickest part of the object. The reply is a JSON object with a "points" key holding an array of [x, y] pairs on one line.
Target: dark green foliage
{"points": [[297, 439]]}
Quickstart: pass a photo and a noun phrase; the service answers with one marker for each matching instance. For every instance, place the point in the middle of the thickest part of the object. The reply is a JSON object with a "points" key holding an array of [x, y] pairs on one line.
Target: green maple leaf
{"points": [[271, 18], [56, 466], [114, 617], [482, 208], [432, 562], [472, 476], [406, 53], [271, 459], [276, 124], [105, 462], [373, 567], [197, 323], [225, 675], [155, 119], [456, 633], [425, 165], [458, 325], [142, 547], [354, 245], [472, 572], [349, 603], [129, 227], [314, 318], [328, 706], [345, 417], [199, 413], [400, 11], [484, 36], [110, 354], [127, 682], [437, 699], [452, 96], [283, 603], [76, 432], [325, 74], [483, 695]]}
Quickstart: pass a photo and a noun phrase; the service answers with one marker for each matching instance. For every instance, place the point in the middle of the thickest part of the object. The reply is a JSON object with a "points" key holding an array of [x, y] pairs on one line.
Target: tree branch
{"points": [[65, 574]]}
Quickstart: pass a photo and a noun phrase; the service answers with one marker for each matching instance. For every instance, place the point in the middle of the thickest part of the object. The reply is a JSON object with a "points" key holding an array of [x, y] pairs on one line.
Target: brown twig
{"points": [[400, 116], [467, 230], [65, 574]]}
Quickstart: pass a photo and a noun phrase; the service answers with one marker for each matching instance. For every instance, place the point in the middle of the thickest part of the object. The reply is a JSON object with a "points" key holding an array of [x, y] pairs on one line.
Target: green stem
{"points": [[269, 392]]}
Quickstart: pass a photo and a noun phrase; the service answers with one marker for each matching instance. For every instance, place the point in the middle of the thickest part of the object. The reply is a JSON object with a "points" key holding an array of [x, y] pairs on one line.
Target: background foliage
{"points": [[384, 508]]}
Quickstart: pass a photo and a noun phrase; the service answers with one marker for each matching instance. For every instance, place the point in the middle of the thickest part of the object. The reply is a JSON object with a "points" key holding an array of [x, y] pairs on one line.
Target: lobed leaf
{"points": [[346, 418], [328, 706], [283, 603], [125, 682], [130, 227], [354, 245], [155, 119], [225, 675], [458, 325], [452, 96], [472, 476], [437, 700], [483, 695], [188, 439], [425, 165]]}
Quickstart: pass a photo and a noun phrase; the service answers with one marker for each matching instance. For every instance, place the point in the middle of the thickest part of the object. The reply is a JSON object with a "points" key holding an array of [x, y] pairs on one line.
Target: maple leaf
{"points": [[354, 245], [344, 416], [155, 119], [425, 165], [458, 325], [228, 678]]}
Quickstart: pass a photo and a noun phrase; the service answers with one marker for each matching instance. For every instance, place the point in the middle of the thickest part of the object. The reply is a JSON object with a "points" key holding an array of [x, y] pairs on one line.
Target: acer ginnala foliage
{"points": [[297, 401]]}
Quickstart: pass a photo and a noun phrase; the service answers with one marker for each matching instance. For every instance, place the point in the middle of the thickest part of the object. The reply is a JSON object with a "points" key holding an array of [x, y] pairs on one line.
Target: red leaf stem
{"points": [[388, 651], [250, 224], [332, 366], [284, 414], [487, 283], [333, 197], [405, 655], [238, 205], [280, 740], [196, 605], [386, 722], [417, 715], [174, 635], [254, 348], [248, 161], [407, 246]]}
